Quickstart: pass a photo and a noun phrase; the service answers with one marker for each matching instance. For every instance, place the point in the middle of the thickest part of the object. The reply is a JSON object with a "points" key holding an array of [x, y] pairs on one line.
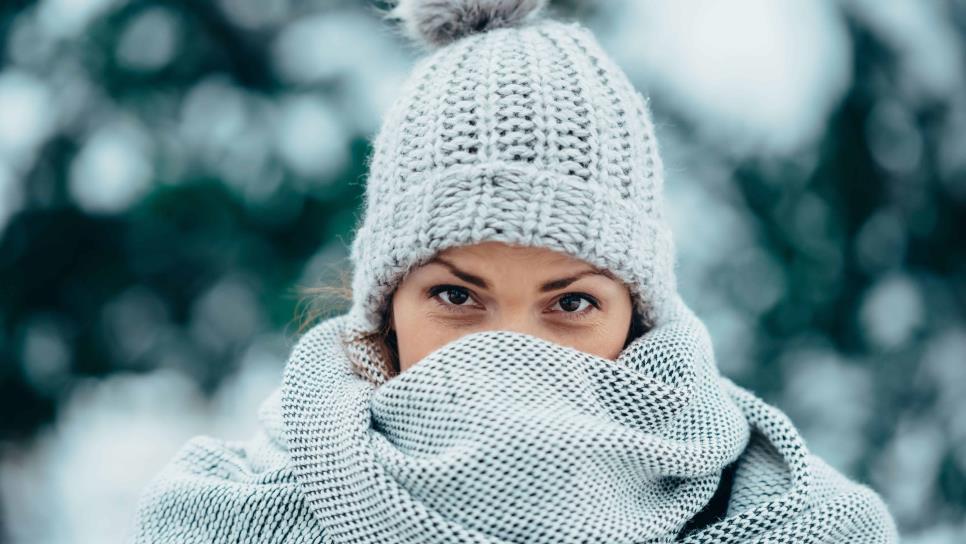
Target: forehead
{"points": [[522, 264]]}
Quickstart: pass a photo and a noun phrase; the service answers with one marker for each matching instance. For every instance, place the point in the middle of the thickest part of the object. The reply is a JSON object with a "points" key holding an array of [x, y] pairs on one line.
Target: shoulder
{"points": [[216, 490], [832, 491], [783, 492]]}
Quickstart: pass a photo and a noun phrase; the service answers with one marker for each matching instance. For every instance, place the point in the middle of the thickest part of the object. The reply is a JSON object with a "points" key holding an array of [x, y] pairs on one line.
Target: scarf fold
{"points": [[502, 437]]}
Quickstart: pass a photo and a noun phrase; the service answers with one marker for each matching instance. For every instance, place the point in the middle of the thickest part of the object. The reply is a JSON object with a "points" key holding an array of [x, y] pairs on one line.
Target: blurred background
{"points": [[172, 173]]}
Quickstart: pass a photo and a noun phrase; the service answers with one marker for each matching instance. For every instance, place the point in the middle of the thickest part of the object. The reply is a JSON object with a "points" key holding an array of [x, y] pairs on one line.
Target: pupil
{"points": [[458, 298], [570, 298]]}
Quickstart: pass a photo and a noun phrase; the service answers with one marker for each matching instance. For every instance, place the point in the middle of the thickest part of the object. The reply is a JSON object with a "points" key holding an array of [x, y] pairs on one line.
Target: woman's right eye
{"points": [[451, 295]]}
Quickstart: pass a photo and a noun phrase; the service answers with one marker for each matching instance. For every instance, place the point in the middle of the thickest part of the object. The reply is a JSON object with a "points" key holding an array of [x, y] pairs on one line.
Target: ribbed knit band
{"points": [[528, 135]]}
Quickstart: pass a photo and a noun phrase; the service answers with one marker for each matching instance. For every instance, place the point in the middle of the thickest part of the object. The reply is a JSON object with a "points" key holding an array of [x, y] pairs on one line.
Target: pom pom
{"points": [[436, 23]]}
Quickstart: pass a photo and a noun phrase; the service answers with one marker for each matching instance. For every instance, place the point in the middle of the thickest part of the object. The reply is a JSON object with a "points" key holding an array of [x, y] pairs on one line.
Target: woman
{"points": [[516, 365]]}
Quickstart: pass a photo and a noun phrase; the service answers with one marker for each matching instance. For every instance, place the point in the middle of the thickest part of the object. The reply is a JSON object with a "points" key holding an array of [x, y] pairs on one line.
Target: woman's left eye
{"points": [[576, 303]]}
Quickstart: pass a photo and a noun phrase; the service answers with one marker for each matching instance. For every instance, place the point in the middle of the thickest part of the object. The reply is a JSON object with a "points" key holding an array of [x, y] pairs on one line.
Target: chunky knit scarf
{"points": [[503, 437]]}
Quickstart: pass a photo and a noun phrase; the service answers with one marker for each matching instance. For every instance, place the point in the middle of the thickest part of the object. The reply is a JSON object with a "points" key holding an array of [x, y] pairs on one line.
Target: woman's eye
{"points": [[576, 303], [451, 295]]}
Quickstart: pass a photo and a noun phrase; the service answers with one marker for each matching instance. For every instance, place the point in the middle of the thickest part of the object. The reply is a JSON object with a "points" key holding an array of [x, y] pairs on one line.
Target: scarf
{"points": [[503, 437]]}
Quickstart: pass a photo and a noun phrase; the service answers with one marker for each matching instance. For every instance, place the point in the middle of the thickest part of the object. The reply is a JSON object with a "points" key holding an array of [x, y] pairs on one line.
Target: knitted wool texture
{"points": [[528, 135], [502, 437]]}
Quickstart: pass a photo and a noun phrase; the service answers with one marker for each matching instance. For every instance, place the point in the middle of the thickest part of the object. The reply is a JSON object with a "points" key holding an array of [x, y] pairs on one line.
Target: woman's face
{"points": [[496, 286]]}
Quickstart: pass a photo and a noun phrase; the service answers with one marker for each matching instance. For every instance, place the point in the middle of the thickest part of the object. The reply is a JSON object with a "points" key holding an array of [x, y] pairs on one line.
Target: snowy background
{"points": [[172, 173]]}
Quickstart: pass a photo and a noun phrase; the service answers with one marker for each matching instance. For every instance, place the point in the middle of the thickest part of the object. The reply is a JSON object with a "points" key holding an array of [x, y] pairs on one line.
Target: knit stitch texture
{"points": [[502, 437], [528, 135]]}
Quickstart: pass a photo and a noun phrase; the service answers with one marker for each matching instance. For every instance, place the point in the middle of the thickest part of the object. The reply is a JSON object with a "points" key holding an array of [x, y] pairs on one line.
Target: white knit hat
{"points": [[514, 128]]}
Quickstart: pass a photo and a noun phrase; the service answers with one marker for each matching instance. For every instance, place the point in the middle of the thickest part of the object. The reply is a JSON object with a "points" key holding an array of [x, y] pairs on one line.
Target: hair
{"points": [[317, 300], [384, 338]]}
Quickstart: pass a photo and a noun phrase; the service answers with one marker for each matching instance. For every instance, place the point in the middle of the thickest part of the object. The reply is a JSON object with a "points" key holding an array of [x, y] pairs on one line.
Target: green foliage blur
{"points": [[161, 206]]}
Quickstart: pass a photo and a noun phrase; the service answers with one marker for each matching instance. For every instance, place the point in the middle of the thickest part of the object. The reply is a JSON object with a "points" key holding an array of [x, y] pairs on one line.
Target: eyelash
{"points": [[436, 290]]}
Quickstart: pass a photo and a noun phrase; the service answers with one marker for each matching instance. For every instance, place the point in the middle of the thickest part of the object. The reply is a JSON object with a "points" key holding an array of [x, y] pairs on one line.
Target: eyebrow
{"points": [[552, 285]]}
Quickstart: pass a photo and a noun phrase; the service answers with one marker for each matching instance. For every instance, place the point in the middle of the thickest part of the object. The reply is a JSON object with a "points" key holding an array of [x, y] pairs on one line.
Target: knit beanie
{"points": [[518, 128]]}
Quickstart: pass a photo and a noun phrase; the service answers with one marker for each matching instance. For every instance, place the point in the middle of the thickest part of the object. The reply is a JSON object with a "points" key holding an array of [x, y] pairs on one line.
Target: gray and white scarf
{"points": [[502, 437]]}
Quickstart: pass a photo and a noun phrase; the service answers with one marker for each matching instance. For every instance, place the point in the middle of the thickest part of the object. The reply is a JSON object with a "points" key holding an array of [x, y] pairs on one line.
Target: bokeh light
{"points": [[171, 173]]}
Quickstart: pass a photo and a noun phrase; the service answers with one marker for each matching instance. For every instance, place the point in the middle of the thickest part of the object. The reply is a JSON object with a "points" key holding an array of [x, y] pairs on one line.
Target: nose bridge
{"points": [[517, 318]]}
